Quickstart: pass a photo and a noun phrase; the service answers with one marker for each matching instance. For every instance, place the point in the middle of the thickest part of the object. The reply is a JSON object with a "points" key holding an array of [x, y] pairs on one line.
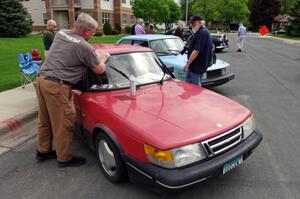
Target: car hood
{"points": [[178, 62], [173, 114]]}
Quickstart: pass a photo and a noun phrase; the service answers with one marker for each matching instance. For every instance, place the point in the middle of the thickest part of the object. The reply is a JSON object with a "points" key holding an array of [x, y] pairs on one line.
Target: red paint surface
{"points": [[13, 124]]}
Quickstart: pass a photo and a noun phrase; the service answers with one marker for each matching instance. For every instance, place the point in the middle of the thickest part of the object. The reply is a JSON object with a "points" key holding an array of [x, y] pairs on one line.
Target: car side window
{"points": [[126, 41], [140, 43]]}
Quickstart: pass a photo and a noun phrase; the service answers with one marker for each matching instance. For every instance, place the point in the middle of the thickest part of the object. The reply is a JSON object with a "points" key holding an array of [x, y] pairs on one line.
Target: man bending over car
{"points": [[69, 57]]}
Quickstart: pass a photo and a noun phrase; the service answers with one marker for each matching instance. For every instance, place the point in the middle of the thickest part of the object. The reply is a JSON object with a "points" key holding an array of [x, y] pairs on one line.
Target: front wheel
{"points": [[109, 159]]}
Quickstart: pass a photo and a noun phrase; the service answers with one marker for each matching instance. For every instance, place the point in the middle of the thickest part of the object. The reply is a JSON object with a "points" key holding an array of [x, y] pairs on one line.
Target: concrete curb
{"points": [[289, 41], [15, 123]]}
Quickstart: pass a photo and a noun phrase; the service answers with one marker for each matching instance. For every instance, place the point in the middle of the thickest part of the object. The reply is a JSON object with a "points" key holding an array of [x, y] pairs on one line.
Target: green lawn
{"points": [[287, 37], [10, 47]]}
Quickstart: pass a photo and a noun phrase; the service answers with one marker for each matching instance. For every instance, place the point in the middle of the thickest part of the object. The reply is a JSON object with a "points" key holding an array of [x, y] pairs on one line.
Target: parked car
{"points": [[220, 40], [279, 32], [168, 48], [171, 135]]}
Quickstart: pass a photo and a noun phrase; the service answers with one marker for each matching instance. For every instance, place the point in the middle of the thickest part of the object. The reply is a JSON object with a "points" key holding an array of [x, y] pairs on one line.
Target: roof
{"points": [[150, 37], [283, 18], [120, 48]]}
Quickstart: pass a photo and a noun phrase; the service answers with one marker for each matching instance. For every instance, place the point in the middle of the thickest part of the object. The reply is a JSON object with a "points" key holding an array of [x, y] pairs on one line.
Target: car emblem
{"points": [[219, 125]]}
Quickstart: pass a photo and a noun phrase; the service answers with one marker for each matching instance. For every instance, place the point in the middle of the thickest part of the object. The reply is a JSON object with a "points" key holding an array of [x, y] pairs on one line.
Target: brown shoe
{"points": [[74, 162]]}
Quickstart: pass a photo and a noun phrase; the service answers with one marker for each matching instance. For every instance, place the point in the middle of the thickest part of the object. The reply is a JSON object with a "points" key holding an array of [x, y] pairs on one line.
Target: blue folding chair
{"points": [[29, 68]]}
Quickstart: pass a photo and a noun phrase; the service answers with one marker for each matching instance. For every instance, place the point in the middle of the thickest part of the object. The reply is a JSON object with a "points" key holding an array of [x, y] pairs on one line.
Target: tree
{"points": [[207, 9], [150, 11], [183, 8], [263, 12], [294, 28], [13, 22], [288, 5], [107, 29], [232, 10], [175, 13]]}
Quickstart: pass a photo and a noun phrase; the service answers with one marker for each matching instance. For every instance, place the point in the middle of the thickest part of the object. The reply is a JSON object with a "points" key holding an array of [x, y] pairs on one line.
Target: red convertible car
{"points": [[171, 135]]}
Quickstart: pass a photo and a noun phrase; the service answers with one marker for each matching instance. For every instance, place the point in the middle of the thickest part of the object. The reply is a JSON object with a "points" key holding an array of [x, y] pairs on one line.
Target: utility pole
{"points": [[186, 12]]}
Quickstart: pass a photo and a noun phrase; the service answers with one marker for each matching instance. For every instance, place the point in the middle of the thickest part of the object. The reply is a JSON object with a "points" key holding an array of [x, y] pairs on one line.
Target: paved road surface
{"points": [[267, 81]]}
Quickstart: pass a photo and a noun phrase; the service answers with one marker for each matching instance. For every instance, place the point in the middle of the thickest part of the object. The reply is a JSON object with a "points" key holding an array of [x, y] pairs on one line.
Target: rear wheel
{"points": [[109, 159]]}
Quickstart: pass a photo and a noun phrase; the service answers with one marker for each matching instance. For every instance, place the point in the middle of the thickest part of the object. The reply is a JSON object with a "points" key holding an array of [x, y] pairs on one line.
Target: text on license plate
{"points": [[232, 164]]}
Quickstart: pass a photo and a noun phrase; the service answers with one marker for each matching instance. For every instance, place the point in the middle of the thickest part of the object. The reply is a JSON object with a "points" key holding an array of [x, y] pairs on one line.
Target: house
{"points": [[64, 12], [281, 21]]}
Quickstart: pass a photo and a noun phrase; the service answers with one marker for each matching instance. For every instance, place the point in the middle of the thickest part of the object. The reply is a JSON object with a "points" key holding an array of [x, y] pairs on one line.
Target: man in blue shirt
{"points": [[199, 52], [241, 37]]}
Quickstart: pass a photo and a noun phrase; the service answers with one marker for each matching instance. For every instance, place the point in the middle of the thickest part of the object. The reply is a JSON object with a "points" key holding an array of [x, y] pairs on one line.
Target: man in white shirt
{"points": [[241, 37]]}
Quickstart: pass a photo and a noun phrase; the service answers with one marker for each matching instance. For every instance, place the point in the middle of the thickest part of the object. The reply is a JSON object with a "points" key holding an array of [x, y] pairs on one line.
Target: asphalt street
{"points": [[267, 81]]}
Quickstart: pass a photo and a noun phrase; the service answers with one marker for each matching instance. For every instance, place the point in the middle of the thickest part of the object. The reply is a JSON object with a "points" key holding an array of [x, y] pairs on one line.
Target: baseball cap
{"points": [[196, 18]]}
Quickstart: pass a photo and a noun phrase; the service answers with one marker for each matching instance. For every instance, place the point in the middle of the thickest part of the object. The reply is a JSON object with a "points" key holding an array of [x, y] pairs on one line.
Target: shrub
{"points": [[118, 27], [128, 29], [99, 32], [107, 29], [115, 32], [13, 22]]}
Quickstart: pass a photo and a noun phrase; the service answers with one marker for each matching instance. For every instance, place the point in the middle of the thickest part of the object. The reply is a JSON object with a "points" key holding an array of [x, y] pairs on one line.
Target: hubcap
{"points": [[107, 158]]}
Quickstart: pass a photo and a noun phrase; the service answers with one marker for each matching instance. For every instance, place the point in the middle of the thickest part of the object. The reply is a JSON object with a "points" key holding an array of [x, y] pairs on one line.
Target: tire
{"points": [[109, 159]]}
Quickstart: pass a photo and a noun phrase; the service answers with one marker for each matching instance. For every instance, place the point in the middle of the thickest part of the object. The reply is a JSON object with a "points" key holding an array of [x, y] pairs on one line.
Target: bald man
{"points": [[49, 35]]}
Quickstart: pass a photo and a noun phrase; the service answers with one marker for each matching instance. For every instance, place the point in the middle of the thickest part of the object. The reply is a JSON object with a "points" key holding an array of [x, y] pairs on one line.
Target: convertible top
{"points": [[120, 48]]}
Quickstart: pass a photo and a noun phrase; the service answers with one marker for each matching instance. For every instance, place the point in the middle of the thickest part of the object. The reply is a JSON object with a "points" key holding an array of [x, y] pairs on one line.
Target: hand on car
{"points": [[103, 57]]}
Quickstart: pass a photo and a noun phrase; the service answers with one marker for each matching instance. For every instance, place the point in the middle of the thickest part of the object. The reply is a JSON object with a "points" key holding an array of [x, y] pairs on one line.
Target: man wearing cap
{"points": [[199, 52], [65, 65]]}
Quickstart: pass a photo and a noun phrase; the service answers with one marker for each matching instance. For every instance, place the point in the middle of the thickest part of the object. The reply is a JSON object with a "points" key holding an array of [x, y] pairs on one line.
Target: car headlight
{"points": [[177, 157], [204, 75], [249, 126]]}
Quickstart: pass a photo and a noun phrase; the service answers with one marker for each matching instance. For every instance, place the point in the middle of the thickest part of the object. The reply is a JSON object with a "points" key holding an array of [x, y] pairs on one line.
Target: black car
{"points": [[220, 41]]}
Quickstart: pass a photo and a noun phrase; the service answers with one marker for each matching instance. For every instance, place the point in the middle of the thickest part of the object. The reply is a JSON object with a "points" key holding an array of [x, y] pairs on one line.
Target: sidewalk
{"points": [[289, 41], [17, 106]]}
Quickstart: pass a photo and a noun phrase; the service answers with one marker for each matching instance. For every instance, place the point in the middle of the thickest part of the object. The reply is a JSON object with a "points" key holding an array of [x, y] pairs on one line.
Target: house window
{"points": [[124, 18], [106, 0], [105, 17], [131, 19], [45, 18], [124, 1], [131, 2], [28, 16]]}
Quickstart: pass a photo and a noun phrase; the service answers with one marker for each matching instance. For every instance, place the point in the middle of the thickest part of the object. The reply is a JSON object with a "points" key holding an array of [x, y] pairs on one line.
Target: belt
{"points": [[53, 79]]}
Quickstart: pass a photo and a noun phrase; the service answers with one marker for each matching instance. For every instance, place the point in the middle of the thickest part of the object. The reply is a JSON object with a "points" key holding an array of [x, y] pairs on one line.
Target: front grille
{"points": [[223, 142], [214, 73]]}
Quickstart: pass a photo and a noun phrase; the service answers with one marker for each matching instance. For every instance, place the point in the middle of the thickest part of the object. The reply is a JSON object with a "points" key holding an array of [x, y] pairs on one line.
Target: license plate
{"points": [[232, 164]]}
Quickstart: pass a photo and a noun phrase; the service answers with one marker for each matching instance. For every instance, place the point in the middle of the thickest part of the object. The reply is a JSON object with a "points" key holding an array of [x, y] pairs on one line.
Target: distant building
{"points": [[281, 21], [64, 12]]}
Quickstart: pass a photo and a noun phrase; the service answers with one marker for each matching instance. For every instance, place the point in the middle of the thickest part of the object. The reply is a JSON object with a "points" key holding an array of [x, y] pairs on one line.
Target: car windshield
{"points": [[144, 66], [167, 46]]}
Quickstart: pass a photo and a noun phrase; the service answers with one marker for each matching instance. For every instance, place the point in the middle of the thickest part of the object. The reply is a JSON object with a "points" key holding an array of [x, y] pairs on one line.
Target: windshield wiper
{"points": [[117, 70]]}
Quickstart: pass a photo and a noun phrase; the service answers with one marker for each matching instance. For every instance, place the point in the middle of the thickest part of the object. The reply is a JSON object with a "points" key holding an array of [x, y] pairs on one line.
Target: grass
{"points": [[287, 37], [9, 48]]}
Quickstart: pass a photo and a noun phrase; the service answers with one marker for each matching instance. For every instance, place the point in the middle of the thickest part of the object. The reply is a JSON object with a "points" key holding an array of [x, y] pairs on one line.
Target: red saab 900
{"points": [[171, 135]]}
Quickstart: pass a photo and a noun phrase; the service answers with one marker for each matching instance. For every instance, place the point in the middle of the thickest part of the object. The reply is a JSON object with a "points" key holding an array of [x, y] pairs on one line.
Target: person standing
{"points": [[48, 35], [67, 61], [178, 31], [199, 52], [150, 29], [241, 37], [138, 28]]}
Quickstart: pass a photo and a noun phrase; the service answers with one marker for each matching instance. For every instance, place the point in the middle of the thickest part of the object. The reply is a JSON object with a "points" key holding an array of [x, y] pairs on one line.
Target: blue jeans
{"points": [[193, 78]]}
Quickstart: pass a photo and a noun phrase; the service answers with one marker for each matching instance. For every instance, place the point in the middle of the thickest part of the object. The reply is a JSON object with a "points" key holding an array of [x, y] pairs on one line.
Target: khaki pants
{"points": [[240, 42], [55, 118]]}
